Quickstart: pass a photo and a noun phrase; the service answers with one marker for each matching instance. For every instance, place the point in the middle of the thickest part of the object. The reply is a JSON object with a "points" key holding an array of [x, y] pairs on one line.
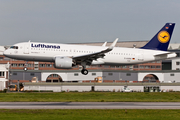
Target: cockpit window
{"points": [[14, 47]]}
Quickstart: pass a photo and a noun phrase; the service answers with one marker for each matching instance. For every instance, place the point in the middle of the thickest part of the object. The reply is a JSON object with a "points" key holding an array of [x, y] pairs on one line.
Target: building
{"points": [[3, 71]]}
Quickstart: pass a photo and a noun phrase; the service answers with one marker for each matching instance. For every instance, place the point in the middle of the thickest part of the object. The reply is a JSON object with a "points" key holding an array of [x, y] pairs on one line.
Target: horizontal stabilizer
{"points": [[167, 55]]}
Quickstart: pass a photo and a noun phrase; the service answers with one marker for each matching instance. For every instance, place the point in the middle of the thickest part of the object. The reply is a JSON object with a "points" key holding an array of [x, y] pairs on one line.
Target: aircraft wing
{"points": [[88, 58]]}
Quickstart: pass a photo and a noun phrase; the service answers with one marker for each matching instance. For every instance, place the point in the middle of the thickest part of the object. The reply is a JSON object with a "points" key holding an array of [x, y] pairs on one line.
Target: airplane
{"points": [[65, 56]]}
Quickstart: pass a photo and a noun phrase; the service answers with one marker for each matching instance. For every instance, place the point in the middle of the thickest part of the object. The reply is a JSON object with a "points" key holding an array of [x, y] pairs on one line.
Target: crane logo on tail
{"points": [[163, 37]]}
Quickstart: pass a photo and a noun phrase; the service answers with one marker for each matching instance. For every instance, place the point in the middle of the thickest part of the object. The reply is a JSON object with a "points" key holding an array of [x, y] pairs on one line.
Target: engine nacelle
{"points": [[63, 62]]}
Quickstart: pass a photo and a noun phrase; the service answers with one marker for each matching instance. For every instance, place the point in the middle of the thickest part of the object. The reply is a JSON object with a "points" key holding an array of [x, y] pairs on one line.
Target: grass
{"points": [[89, 114], [90, 97]]}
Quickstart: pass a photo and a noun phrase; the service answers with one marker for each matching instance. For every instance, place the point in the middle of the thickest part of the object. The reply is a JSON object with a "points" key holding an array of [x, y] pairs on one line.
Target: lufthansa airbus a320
{"points": [[65, 56]]}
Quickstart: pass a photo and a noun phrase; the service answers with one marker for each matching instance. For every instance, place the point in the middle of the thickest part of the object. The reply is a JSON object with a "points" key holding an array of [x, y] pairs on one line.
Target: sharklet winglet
{"points": [[113, 44], [104, 45]]}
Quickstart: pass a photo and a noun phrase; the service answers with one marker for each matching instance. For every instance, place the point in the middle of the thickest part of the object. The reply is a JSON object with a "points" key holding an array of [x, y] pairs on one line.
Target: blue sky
{"points": [[76, 21]]}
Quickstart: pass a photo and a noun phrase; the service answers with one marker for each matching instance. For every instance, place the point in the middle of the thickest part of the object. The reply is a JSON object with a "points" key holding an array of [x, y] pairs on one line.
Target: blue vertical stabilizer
{"points": [[161, 40]]}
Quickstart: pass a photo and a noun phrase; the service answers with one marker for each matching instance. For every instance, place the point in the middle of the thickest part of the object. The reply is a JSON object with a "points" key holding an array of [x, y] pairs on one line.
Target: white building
{"points": [[3, 76], [3, 72]]}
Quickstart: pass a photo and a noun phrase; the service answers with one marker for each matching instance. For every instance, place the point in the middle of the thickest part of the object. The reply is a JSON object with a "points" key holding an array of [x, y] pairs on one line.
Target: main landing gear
{"points": [[84, 71]]}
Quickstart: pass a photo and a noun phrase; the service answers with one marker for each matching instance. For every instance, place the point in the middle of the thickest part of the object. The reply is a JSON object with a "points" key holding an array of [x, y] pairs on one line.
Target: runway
{"points": [[89, 105]]}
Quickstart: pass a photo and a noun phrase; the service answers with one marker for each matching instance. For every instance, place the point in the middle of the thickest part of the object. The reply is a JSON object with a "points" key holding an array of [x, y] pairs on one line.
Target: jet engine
{"points": [[63, 62]]}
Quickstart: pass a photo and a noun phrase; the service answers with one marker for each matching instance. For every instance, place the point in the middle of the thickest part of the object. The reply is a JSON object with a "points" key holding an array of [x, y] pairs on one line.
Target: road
{"points": [[89, 105]]}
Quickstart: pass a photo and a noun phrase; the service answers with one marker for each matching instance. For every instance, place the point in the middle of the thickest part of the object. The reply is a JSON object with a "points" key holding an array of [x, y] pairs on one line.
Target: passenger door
{"points": [[26, 47]]}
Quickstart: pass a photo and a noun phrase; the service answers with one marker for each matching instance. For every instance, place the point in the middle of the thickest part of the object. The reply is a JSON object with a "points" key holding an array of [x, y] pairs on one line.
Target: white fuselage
{"points": [[34, 51]]}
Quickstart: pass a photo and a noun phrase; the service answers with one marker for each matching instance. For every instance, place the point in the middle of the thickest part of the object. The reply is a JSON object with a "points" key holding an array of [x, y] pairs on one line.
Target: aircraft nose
{"points": [[6, 53]]}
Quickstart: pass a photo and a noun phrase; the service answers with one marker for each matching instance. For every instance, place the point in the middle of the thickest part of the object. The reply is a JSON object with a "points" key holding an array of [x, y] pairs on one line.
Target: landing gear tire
{"points": [[25, 69], [84, 71]]}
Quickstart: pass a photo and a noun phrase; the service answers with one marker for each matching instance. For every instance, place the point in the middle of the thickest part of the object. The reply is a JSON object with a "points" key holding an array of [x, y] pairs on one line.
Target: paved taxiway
{"points": [[89, 105]]}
